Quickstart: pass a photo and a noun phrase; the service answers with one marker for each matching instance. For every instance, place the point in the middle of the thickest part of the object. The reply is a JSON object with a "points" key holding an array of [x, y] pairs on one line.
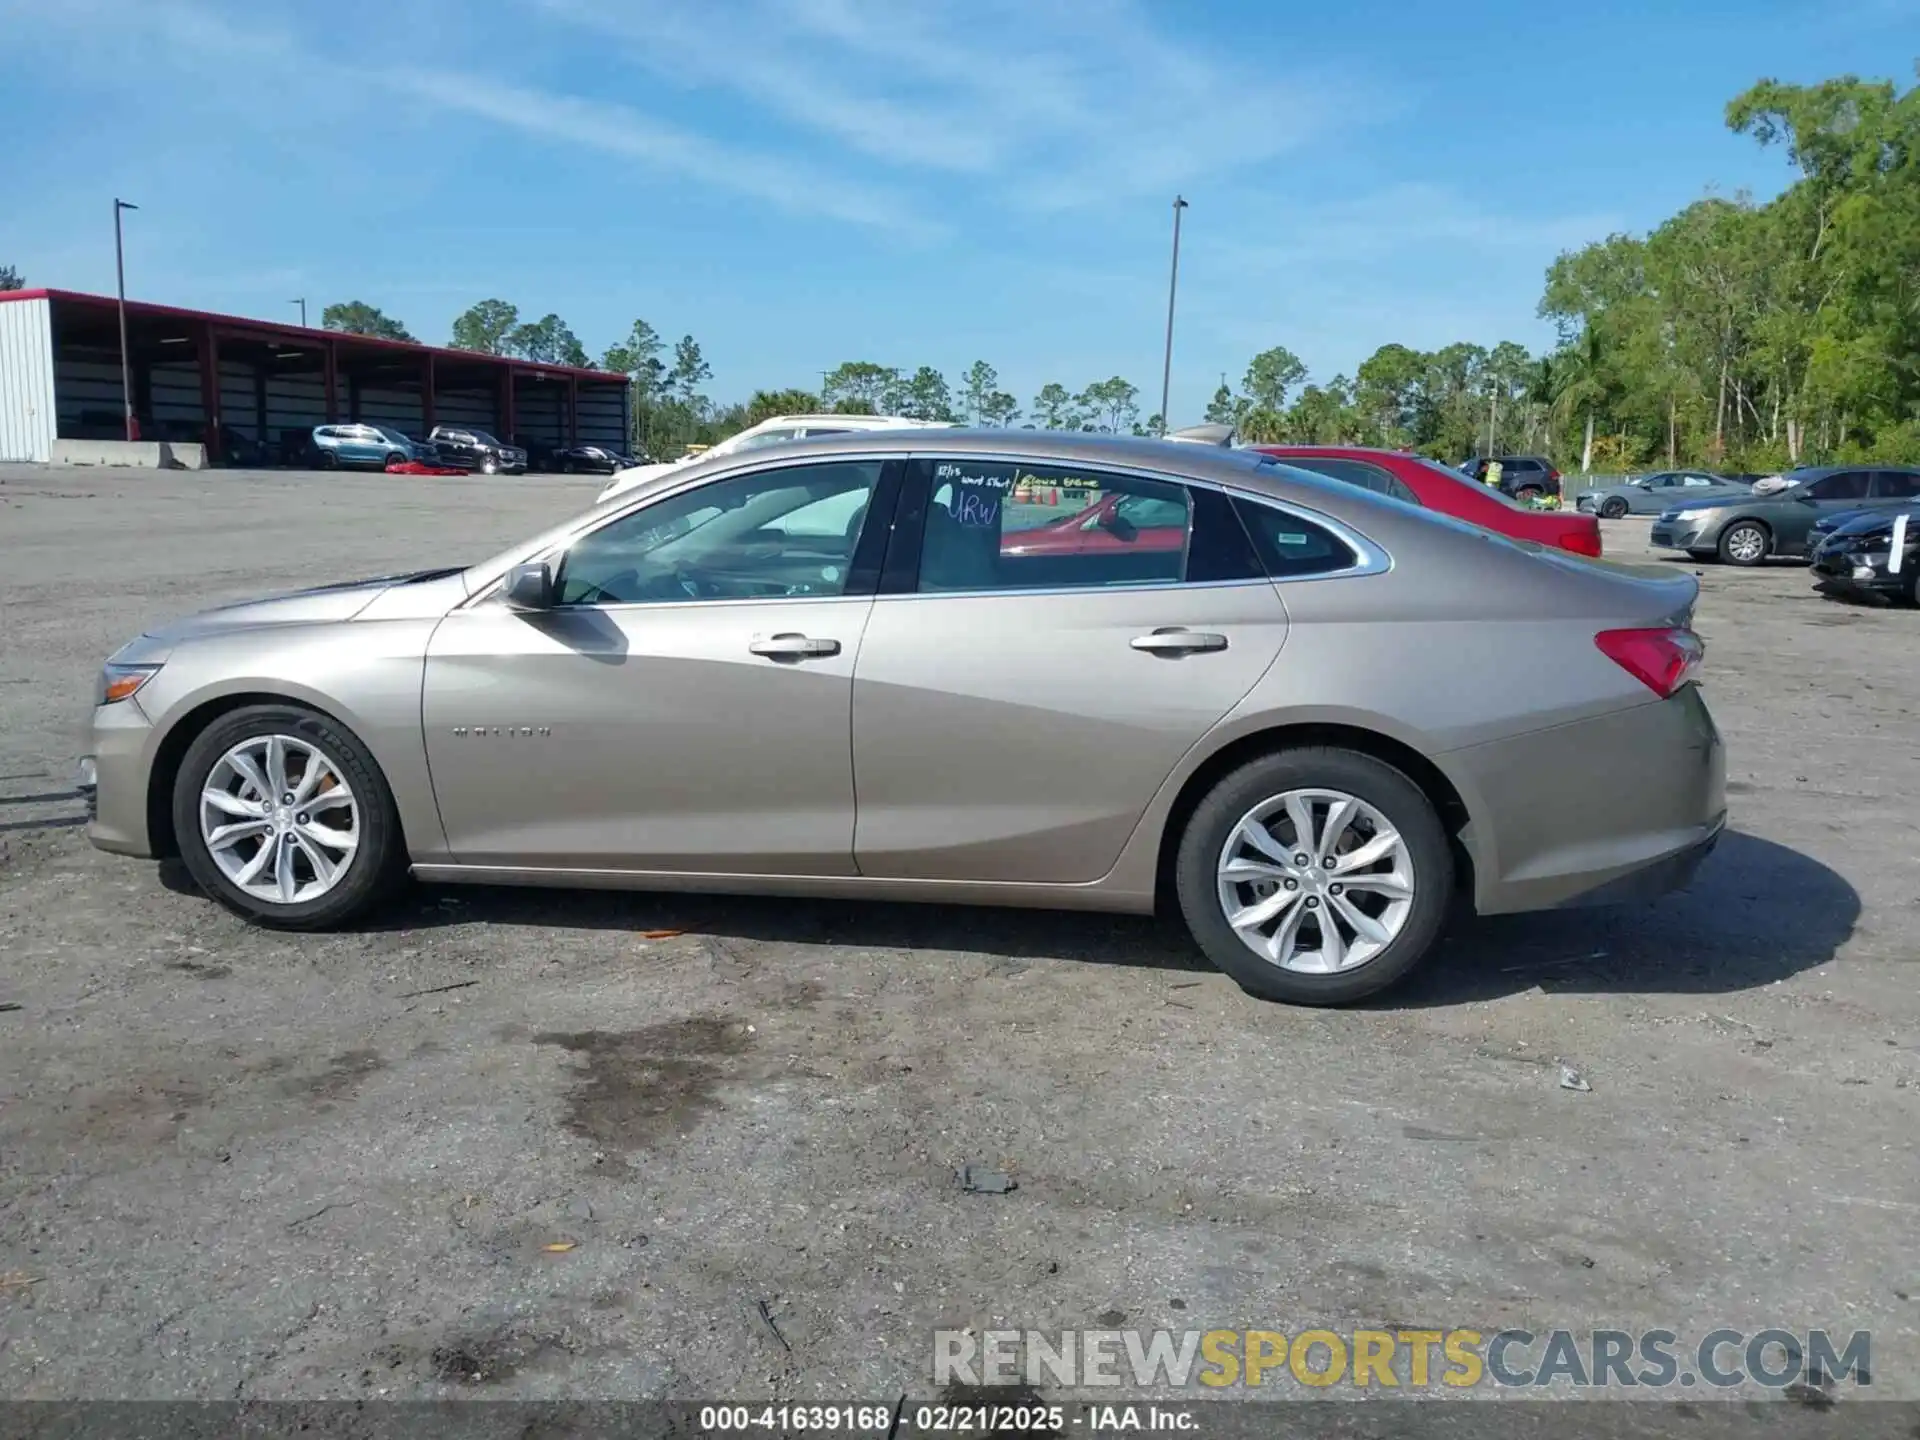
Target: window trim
{"points": [[900, 575]]}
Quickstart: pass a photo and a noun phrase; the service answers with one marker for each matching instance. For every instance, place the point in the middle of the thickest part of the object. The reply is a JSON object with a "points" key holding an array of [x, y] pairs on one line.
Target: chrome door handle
{"points": [[1175, 641], [793, 647]]}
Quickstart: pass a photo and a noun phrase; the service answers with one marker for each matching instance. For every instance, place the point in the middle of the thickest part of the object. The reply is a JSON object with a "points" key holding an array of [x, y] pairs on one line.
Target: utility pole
{"points": [[120, 280], [303, 311], [1173, 285]]}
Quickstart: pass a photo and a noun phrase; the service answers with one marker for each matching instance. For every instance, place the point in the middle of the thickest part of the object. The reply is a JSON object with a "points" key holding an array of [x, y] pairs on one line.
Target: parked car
{"points": [[1650, 494], [373, 446], [477, 450], [771, 432], [1424, 482], [1874, 554], [1827, 524], [1526, 478], [1452, 711], [1746, 531], [603, 459], [242, 451]]}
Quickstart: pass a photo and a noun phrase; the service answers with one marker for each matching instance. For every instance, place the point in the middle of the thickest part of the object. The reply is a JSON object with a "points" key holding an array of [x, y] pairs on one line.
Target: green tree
{"points": [[547, 341], [356, 317], [1223, 409], [1263, 426], [485, 327], [1111, 405], [999, 411], [1386, 387], [690, 371], [10, 279], [638, 356], [925, 396], [859, 383], [766, 404], [977, 386], [1053, 407], [1270, 374]]}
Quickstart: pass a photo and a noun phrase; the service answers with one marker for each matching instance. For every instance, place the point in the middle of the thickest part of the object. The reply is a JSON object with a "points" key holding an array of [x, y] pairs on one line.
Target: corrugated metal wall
{"points": [[475, 409], [540, 413], [295, 402], [387, 405], [603, 414], [27, 415], [239, 398], [87, 390]]}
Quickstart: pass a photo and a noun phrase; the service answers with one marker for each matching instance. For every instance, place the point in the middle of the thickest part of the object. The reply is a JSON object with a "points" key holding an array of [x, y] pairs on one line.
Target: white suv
{"points": [[772, 432]]}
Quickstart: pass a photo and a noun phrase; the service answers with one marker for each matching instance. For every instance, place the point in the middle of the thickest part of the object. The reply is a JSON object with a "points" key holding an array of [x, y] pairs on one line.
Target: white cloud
{"points": [[207, 45], [1062, 104]]}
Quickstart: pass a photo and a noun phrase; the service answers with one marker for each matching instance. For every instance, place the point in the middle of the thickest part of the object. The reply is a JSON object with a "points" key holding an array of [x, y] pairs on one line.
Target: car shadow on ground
{"points": [[1756, 913]]}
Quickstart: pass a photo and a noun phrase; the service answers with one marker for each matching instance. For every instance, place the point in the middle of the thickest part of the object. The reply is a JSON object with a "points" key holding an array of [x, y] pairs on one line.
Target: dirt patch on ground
{"points": [[639, 1087]]}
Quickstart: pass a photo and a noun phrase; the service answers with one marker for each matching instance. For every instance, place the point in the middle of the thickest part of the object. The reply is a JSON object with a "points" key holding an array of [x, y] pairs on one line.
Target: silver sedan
{"points": [[994, 668]]}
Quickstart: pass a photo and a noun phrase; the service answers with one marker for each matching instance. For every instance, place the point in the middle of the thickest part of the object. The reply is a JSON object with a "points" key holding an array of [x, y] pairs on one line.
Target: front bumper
{"points": [[1554, 825], [1681, 535], [122, 753], [1861, 572]]}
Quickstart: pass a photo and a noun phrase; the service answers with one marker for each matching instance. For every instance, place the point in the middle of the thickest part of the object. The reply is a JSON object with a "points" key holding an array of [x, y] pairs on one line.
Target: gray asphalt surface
{"points": [[238, 1164]]}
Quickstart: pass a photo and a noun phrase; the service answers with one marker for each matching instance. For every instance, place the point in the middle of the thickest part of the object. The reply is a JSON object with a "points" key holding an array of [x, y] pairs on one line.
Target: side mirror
{"points": [[529, 587]]}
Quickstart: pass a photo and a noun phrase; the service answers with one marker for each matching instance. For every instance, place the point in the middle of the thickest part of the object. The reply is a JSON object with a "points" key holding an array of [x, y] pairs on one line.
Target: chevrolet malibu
{"points": [[822, 669]]}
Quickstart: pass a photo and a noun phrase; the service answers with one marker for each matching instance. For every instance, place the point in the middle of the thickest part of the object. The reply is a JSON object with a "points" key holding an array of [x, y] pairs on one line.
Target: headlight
{"points": [[121, 682]]}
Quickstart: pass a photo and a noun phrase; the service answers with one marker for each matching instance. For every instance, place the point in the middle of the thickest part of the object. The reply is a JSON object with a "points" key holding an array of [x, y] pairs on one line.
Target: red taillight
{"points": [[1583, 540], [1662, 659]]}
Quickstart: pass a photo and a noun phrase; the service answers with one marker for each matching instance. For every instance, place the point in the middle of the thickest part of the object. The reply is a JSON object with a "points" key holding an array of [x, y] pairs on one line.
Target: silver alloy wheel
{"points": [[279, 819], [1315, 881], [1746, 543]]}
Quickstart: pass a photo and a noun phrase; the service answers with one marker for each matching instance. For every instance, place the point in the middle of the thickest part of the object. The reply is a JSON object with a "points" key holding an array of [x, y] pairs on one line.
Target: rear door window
{"points": [[1896, 485], [1290, 546], [1846, 485]]}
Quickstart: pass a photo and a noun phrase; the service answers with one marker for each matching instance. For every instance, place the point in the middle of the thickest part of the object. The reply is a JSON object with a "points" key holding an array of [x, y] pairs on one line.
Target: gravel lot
{"points": [[236, 1164]]}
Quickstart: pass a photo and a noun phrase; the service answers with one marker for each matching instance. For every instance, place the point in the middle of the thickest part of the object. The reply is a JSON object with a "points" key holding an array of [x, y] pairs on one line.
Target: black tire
{"points": [[379, 860], [329, 460], [1380, 785], [1613, 508], [489, 466], [1744, 528], [394, 457]]}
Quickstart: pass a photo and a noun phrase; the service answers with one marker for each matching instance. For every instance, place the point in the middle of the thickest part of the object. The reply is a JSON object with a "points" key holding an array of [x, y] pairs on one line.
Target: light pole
{"points": [[120, 278], [303, 311], [1173, 284]]}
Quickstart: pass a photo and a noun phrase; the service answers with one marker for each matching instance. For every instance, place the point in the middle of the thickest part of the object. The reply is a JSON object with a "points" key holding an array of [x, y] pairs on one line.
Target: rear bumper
{"points": [[1624, 806]]}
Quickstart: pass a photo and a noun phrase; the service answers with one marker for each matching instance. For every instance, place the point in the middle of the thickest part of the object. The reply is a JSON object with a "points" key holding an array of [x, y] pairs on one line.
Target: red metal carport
{"points": [[222, 380]]}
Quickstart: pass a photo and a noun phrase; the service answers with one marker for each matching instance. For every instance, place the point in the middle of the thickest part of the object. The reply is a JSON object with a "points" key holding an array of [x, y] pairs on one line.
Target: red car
{"points": [[1113, 522], [1424, 482]]}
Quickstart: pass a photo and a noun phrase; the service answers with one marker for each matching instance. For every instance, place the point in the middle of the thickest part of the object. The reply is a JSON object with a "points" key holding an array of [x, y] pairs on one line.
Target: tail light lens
{"points": [[1582, 540], [1663, 659]]}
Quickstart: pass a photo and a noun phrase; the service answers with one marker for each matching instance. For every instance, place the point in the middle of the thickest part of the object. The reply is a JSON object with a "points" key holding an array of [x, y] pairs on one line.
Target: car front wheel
{"points": [[1316, 875], [283, 816], [1744, 542]]}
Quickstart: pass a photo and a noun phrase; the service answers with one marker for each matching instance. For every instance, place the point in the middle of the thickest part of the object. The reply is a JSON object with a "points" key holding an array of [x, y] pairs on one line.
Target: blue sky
{"points": [[800, 182]]}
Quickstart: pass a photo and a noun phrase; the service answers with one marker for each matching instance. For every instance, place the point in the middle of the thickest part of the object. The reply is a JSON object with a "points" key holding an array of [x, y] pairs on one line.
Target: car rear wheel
{"points": [[1613, 507], [1315, 875], [1745, 542], [283, 816]]}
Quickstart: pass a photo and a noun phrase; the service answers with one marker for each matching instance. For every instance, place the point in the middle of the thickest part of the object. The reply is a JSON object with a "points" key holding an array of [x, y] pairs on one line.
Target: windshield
{"points": [[392, 436], [481, 437]]}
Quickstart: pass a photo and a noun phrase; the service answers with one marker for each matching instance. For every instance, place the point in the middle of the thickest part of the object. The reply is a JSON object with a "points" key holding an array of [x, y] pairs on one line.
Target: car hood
{"points": [[318, 605], [1876, 522]]}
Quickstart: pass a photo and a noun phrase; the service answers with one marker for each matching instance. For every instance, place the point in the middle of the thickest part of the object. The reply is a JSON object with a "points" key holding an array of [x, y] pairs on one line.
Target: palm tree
{"points": [[1580, 388]]}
